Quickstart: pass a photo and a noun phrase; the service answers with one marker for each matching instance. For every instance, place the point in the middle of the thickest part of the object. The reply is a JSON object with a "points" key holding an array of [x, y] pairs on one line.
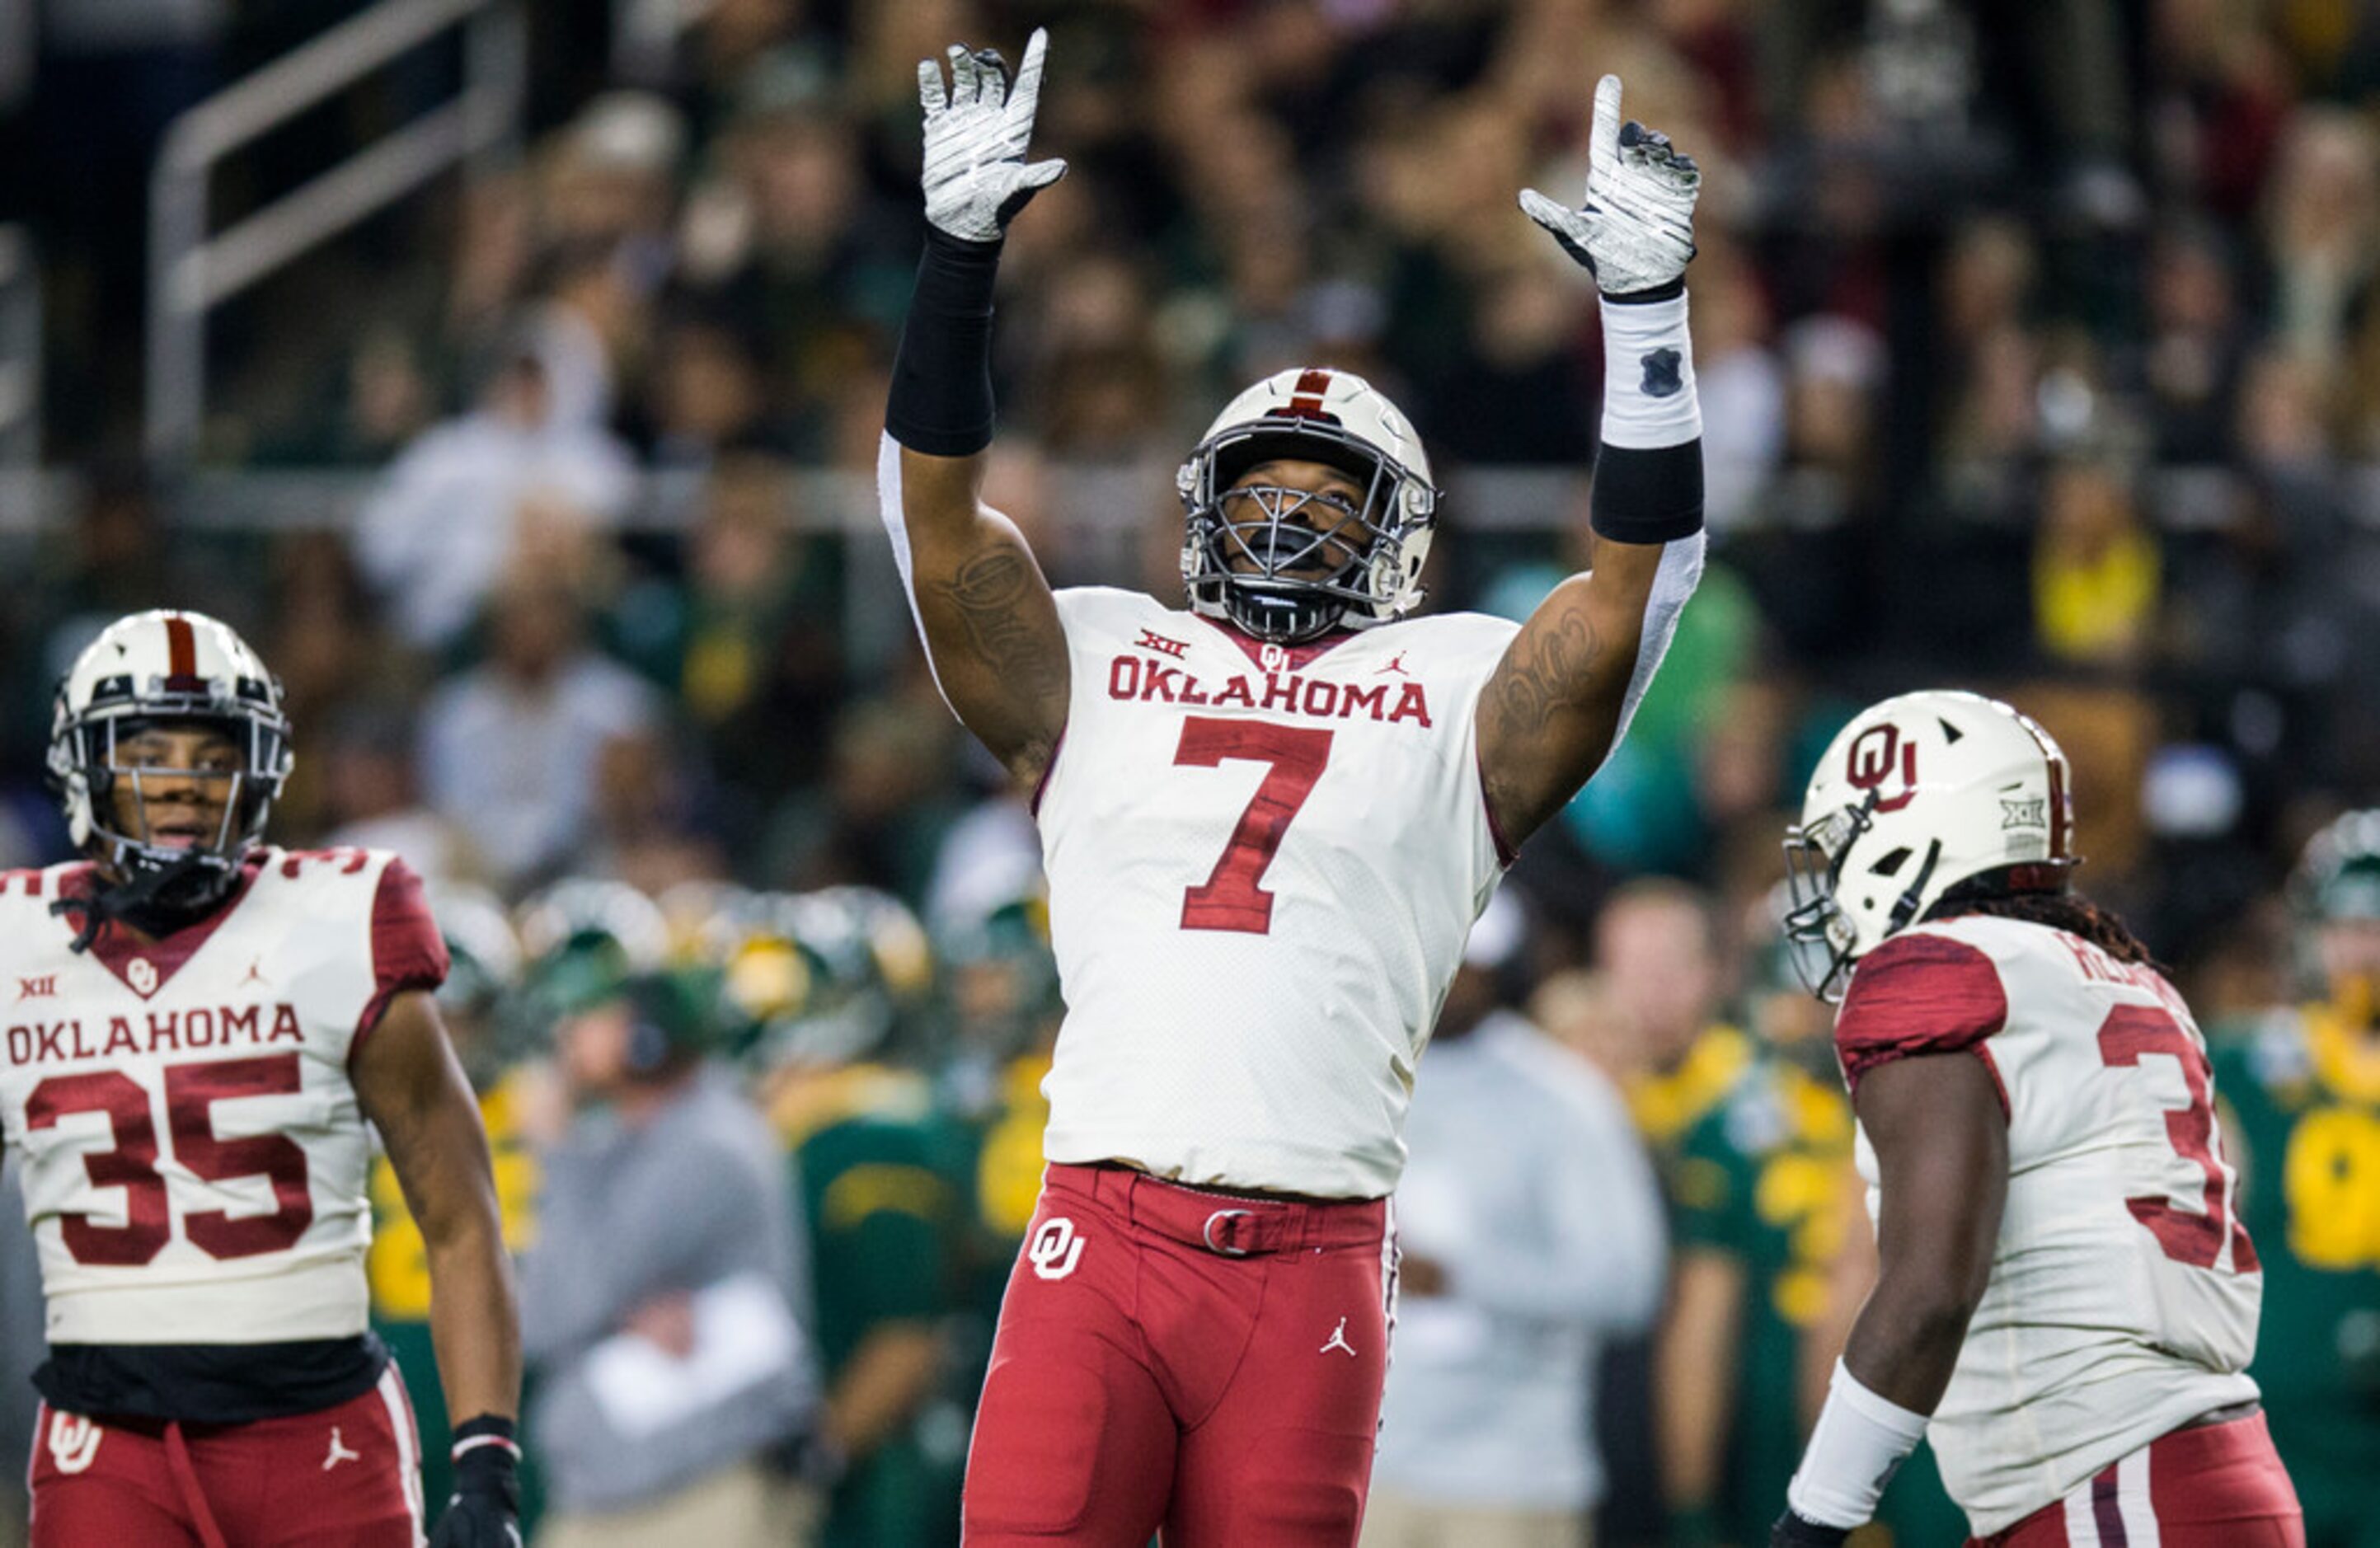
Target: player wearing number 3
{"points": [[2063, 1283], [1268, 819], [200, 1028]]}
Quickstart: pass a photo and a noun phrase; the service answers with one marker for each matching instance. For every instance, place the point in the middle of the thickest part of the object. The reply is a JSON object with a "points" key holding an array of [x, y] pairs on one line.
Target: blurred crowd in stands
{"points": [[2039, 348]]}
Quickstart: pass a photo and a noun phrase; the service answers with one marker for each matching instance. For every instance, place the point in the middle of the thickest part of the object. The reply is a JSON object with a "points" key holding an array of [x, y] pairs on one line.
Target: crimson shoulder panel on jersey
{"points": [[408, 950], [1918, 994]]}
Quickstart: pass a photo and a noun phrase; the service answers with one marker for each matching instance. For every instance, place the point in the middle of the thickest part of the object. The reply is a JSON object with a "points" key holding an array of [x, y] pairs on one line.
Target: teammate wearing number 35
{"points": [[201, 1029], [1268, 819], [2063, 1283]]}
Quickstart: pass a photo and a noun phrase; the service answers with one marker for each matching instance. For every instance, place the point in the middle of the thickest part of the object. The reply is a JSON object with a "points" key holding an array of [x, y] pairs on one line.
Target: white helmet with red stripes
{"points": [[1919, 797], [166, 668], [1287, 564]]}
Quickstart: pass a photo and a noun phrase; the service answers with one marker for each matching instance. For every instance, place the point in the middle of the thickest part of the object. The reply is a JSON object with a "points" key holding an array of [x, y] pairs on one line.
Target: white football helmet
{"points": [[1312, 414], [1919, 795], [161, 667]]}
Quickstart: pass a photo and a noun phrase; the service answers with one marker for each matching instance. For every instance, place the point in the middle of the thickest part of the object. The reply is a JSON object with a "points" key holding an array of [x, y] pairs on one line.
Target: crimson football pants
{"points": [[1174, 1358], [2207, 1486], [343, 1477]]}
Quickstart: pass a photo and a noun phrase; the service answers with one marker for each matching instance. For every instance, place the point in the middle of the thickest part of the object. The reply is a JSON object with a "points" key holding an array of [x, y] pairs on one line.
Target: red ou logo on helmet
{"points": [[1873, 753]]}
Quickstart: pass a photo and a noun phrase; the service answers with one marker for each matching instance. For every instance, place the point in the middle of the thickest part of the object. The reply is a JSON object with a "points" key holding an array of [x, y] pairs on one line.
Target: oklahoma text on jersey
{"points": [[1133, 678], [168, 1032]]}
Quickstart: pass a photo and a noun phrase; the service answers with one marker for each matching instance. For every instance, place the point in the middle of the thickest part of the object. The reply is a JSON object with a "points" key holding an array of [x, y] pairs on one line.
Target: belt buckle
{"points": [[1207, 1233]]}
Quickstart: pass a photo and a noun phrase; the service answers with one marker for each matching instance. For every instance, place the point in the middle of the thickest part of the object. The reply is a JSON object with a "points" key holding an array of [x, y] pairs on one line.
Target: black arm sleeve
{"points": [[1648, 496], [940, 402]]}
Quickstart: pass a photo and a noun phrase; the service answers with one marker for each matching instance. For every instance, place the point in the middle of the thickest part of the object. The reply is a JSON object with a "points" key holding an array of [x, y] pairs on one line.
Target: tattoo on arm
{"points": [[1546, 671], [988, 595]]}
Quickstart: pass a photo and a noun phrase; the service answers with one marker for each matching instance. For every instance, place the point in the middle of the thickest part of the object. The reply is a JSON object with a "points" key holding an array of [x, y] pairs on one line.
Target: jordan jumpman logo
{"points": [[1338, 1340], [339, 1453]]}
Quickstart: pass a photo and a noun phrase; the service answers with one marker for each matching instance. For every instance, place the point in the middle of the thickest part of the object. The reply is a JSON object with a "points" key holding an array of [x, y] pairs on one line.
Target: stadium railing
{"points": [[1100, 517], [191, 272]]}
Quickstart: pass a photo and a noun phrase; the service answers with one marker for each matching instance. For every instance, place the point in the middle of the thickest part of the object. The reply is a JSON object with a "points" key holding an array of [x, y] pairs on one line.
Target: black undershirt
{"points": [[210, 1383]]}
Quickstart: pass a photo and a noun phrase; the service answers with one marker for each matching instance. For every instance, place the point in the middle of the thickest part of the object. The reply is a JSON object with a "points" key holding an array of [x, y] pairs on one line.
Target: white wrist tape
{"points": [[1858, 1445], [1648, 376]]}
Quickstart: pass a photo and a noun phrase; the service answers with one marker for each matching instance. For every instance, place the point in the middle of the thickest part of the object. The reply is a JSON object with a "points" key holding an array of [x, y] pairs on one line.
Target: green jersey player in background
{"points": [[2301, 1086], [835, 986]]}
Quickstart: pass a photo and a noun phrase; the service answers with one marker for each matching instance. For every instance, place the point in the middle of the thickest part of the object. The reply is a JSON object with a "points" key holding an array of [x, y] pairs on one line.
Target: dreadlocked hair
{"points": [[2005, 896]]}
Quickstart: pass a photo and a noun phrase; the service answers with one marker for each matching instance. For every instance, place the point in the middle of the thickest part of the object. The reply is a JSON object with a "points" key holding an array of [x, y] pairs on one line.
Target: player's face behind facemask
{"points": [[165, 808], [1305, 521], [174, 785], [1294, 539], [1281, 562]]}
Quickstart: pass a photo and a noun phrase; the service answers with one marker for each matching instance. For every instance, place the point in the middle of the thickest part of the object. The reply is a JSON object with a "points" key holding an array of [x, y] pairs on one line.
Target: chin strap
{"points": [[1247, 608], [1904, 908], [136, 902]]}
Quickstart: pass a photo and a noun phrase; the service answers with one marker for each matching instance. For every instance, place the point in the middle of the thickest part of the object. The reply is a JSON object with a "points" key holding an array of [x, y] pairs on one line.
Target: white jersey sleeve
{"points": [[195, 1160], [2124, 1292], [1263, 864]]}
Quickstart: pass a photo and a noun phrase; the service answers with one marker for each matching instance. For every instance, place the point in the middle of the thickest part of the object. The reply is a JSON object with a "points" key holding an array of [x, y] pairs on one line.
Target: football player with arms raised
{"points": [[202, 1028], [2065, 1302], [1268, 819]]}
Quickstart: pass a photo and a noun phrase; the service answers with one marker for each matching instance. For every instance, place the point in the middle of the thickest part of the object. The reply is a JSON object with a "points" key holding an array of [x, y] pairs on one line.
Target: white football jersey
{"points": [[1263, 864], [195, 1163], [2124, 1291]]}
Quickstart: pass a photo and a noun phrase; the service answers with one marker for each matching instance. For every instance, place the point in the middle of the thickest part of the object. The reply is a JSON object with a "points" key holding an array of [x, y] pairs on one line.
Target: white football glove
{"points": [[975, 178], [1636, 229]]}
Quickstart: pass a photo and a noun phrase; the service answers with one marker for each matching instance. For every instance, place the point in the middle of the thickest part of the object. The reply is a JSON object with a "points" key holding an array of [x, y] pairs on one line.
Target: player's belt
{"points": [[1229, 1225], [2225, 1414]]}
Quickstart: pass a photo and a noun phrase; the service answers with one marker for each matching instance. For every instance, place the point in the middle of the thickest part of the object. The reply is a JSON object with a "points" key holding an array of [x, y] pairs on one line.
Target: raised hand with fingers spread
{"points": [[976, 176], [1635, 229]]}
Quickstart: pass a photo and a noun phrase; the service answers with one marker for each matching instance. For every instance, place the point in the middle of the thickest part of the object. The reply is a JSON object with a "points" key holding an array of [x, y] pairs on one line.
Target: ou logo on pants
{"points": [[74, 1442], [1055, 1249]]}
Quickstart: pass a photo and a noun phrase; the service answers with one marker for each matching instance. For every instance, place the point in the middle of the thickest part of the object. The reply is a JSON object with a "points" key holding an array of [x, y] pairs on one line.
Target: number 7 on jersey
{"points": [[1233, 898]]}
